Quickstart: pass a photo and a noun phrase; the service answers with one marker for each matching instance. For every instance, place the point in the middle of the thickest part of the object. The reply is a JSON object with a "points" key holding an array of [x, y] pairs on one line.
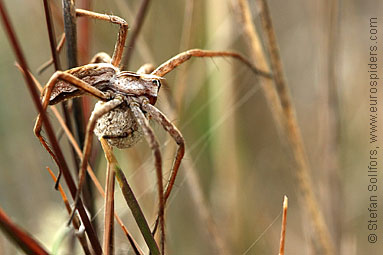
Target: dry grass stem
{"points": [[108, 244], [138, 23], [283, 228], [294, 136], [24, 241], [258, 56], [76, 221]]}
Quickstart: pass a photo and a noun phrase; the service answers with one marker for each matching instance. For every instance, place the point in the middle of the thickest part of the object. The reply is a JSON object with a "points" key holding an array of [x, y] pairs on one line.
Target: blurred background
{"points": [[241, 162]]}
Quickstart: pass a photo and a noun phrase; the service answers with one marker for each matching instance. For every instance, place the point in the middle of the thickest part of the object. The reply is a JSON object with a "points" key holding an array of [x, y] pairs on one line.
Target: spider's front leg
{"points": [[122, 34], [155, 147], [120, 44], [46, 96]]}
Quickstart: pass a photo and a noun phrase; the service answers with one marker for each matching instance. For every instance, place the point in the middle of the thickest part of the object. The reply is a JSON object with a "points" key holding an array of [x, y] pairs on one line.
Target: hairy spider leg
{"points": [[122, 34], [169, 127], [180, 58], [155, 147], [76, 82], [118, 49]]}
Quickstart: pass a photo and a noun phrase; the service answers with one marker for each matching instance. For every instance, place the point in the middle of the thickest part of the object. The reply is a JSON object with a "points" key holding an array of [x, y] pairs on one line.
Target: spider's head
{"points": [[135, 84]]}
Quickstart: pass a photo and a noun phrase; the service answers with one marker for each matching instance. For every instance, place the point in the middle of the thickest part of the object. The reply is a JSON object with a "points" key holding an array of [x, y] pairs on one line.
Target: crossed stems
{"points": [[137, 105]]}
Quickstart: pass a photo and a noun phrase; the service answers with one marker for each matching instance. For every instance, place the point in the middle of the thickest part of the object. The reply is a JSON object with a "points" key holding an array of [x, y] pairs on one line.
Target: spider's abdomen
{"points": [[118, 127]]}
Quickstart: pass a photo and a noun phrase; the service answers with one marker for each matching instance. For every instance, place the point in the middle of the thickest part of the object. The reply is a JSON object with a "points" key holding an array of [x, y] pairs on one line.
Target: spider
{"points": [[126, 102]]}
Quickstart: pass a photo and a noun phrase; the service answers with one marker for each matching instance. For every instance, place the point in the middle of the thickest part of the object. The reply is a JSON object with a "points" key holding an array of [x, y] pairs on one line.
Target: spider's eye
{"points": [[157, 83]]}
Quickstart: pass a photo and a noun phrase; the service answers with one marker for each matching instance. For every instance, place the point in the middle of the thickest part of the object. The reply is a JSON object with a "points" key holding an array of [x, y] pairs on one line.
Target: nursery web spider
{"points": [[126, 103]]}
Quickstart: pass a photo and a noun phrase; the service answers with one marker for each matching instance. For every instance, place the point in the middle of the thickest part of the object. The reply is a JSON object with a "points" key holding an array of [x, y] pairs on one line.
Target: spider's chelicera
{"points": [[126, 100]]}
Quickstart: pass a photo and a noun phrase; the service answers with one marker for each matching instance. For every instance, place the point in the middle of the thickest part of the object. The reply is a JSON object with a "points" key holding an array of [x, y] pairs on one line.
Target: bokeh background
{"points": [[241, 162]]}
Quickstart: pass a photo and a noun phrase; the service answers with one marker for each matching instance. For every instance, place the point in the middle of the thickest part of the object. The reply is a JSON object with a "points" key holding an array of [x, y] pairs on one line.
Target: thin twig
{"points": [[138, 23], [51, 34], [69, 13], [259, 57], [109, 209], [181, 75], [24, 241], [55, 146], [57, 66], [293, 133], [283, 228], [75, 222], [83, 103], [329, 139]]}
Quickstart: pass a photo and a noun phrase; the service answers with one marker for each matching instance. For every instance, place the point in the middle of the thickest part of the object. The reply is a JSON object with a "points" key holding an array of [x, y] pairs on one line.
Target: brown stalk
{"points": [[52, 37], [84, 31], [109, 206], [57, 66], [180, 80], [284, 114], [69, 13], [293, 133], [138, 23], [75, 222], [259, 57], [283, 228], [332, 197], [23, 240], [53, 141]]}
